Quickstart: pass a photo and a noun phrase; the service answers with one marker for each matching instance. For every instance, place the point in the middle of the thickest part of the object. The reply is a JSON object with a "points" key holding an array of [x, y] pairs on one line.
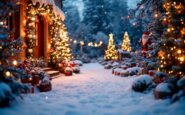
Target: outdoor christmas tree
{"points": [[126, 43], [61, 51], [65, 49], [110, 53], [9, 47], [172, 53]]}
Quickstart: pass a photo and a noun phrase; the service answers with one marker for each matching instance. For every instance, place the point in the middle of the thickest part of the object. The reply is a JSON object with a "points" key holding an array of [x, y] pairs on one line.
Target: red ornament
{"points": [[164, 22]]}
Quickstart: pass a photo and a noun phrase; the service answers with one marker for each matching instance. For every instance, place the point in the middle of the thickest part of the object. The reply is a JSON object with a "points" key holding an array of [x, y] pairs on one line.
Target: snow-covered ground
{"points": [[94, 92]]}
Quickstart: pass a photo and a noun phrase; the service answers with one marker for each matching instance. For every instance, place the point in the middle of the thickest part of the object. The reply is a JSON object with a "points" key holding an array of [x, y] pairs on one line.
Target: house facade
{"points": [[32, 22]]}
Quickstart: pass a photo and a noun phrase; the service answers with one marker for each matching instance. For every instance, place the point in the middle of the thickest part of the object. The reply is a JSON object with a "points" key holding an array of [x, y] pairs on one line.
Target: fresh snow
{"points": [[163, 87], [94, 92], [4, 90], [144, 79], [181, 82]]}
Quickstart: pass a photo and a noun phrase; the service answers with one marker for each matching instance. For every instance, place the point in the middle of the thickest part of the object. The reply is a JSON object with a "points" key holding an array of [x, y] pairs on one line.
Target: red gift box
{"points": [[45, 87], [68, 73], [35, 80], [26, 80], [151, 72]]}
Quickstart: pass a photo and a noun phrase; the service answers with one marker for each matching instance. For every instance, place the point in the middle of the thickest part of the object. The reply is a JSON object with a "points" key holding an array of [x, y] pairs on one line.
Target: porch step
{"points": [[52, 73]]}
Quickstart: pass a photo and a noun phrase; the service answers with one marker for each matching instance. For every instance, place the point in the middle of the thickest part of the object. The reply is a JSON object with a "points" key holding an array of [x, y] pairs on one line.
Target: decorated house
{"points": [[37, 22]]}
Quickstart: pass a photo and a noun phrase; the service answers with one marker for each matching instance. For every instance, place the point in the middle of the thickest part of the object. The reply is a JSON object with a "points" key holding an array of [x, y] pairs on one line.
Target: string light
{"points": [[15, 63], [174, 43], [7, 74]]}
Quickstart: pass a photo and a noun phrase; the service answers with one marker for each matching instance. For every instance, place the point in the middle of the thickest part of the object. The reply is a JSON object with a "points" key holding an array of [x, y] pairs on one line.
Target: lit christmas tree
{"points": [[60, 40], [172, 53], [126, 43], [65, 49], [110, 53]]}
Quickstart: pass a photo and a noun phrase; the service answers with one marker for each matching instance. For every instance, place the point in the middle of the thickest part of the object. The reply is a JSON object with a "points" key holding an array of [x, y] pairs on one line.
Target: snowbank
{"points": [[144, 82], [164, 87], [4, 90], [181, 82], [99, 92]]}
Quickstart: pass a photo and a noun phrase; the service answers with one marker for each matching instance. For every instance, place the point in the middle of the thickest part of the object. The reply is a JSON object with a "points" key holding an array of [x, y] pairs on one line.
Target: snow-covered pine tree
{"points": [[111, 53], [126, 46], [118, 18], [10, 88], [73, 19], [95, 16]]}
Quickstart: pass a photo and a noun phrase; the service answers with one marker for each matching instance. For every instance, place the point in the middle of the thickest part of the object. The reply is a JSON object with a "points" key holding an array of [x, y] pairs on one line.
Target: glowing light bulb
{"points": [[179, 51], [14, 63], [8, 74]]}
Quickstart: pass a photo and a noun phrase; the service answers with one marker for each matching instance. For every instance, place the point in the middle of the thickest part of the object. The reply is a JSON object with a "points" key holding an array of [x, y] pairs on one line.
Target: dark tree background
{"points": [[100, 17]]}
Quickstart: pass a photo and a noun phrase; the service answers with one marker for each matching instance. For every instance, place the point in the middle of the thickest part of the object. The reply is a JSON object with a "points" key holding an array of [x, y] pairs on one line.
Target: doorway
{"points": [[40, 37]]}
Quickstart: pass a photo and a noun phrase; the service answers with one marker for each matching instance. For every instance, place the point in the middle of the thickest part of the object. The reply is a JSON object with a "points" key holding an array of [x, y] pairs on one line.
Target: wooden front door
{"points": [[39, 49]]}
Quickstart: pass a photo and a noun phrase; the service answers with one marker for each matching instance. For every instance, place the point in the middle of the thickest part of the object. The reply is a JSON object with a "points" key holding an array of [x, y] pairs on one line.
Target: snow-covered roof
{"points": [[51, 2], [57, 10]]}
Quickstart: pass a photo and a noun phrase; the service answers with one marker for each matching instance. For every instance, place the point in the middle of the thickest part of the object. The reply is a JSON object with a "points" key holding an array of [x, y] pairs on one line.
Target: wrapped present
{"points": [[26, 80], [44, 87], [125, 74], [68, 73], [151, 72], [133, 64], [35, 79]]}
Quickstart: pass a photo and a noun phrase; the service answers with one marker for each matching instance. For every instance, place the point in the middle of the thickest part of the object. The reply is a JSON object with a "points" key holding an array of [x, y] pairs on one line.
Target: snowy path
{"points": [[93, 92]]}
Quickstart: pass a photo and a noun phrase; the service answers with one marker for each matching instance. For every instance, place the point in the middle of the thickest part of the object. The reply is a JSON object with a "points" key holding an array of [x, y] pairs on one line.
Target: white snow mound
{"points": [[163, 87], [4, 88]]}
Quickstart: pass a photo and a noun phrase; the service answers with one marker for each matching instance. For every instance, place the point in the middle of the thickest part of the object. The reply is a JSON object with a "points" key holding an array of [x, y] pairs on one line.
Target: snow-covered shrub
{"points": [[37, 62], [124, 54], [163, 91], [178, 95], [134, 70], [181, 83], [151, 65], [5, 94], [181, 93], [143, 83], [9, 90]]}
